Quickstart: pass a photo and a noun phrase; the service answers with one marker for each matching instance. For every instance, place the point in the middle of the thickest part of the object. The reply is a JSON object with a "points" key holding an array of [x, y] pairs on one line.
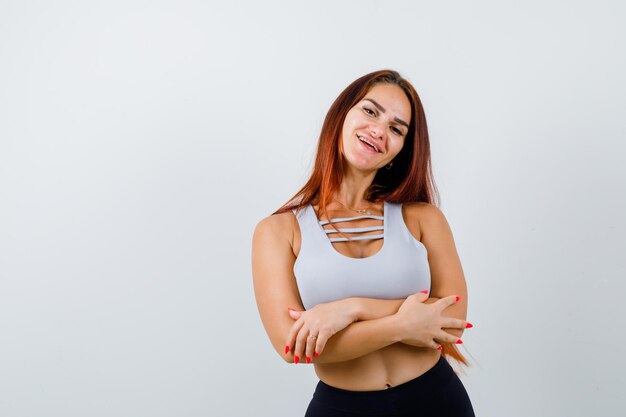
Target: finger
{"points": [[447, 301], [298, 351], [311, 343], [291, 336], [435, 344], [421, 296], [322, 338], [446, 337], [452, 323], [294, 314]]}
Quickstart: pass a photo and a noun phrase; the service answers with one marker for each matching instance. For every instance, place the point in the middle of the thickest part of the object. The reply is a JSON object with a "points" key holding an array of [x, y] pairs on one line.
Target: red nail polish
{"points": [[469, 325], [425, 291], [296, 359], [458, 298], [315, 355], [308, 360], [458, 342], [439, 348], [286, 349]]}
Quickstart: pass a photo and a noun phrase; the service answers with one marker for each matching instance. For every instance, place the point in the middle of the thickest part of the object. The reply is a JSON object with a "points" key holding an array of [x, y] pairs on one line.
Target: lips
{"points": [[368, 143]]}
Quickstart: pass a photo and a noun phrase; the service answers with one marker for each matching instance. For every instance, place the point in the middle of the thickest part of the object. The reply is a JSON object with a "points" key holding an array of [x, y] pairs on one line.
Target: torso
{"points": [[394, 364]]}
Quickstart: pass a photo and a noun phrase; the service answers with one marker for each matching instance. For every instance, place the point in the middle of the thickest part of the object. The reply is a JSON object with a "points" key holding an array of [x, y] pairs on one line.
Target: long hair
{"points": [[410, 178]]}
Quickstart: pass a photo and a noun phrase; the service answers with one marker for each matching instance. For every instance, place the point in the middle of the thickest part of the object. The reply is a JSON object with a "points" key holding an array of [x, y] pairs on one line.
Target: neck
{"points": [[353, 187]]}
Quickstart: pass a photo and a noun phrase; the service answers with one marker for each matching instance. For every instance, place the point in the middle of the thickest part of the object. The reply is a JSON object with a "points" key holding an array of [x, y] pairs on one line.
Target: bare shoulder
{"points": [[423, 219], [276, 227], [435, 232], [422, 209], [276, 223], [446, 272]]}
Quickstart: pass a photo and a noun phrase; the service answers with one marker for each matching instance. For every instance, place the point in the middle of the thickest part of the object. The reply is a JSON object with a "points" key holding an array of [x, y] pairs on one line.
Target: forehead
{"points": [[392, 98]]}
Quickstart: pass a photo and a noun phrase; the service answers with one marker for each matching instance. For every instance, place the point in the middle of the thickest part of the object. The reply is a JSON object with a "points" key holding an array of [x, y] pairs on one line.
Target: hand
{"points": [[323, 321], [422, 324]]}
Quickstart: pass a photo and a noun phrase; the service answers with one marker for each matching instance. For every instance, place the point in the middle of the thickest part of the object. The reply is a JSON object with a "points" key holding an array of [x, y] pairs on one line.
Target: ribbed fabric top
{"points": [[400, 268]]}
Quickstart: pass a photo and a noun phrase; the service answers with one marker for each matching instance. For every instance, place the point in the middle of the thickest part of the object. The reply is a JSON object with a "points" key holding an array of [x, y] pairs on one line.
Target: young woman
{"points": [[358, 273]]}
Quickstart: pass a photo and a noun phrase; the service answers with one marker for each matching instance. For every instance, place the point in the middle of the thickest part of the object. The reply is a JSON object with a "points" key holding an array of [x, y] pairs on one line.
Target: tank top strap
{"points": [[394, 221], [398, 230], [310, 229]]}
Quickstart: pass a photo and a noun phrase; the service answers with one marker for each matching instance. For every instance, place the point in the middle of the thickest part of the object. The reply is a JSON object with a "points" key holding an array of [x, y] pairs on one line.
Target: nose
{"points": [[376, 130]]}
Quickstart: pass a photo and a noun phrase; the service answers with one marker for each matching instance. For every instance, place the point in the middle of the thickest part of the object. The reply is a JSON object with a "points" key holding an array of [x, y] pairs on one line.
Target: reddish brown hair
{"points": [[409, 180]]}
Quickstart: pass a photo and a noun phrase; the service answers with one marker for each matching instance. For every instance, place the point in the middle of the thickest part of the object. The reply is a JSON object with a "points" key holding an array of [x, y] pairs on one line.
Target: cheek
{"points": [[348, 128], [398, 145], [353, 119]]}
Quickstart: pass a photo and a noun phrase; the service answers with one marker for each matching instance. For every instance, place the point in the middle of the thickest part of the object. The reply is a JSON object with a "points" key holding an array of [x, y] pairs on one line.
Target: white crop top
{"points": [[400, 268]]}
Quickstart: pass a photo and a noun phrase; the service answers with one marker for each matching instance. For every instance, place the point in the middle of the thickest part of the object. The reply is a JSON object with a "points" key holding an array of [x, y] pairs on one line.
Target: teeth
{"points": [[368, 142]]}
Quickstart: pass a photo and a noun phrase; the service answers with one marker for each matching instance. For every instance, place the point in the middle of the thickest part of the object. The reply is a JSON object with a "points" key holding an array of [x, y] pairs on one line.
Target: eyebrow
{"points": [[382, 109]]}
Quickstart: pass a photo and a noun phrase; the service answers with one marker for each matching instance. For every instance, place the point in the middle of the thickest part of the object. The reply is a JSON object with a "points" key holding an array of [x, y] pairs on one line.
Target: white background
{"points": [[141, 142]]}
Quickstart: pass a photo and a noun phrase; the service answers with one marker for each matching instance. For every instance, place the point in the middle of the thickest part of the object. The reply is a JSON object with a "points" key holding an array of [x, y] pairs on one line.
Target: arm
{"points": [[446, 272], [275, 289], [275, 286], [429, 223], [375, 308], [362, 308], [361, 338]]}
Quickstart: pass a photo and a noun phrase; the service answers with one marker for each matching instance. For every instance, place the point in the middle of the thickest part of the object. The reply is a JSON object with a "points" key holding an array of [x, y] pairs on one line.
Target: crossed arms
{"points": [[354, 327]]}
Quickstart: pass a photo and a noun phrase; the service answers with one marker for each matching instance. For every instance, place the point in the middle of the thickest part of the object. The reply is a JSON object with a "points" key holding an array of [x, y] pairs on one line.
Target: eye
{"points": [[396, 131], [369, 111]]}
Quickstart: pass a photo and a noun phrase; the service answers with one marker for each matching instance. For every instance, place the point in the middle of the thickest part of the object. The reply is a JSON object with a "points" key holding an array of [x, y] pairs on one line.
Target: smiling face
{"points": [[374, 129]]}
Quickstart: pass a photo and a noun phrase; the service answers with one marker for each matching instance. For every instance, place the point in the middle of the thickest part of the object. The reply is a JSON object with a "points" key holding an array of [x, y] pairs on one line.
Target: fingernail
{"points": [[425, 291], [286, 349], [315, 355], [296, 359], [458, 298], [458, 342], [469, 325], [290, 309], [439, 348], [308, 360]]}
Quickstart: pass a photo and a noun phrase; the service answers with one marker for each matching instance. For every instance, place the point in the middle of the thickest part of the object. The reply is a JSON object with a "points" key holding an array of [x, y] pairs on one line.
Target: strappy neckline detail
{"points": [[329, 243]]}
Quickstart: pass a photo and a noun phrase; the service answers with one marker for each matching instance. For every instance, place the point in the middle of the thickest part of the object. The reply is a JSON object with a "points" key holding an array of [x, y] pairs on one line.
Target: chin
{"points": [[363, 167]]}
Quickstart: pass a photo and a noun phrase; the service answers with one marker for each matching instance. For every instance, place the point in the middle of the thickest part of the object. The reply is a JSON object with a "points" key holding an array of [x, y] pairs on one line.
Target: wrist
{"points": [[396, 325], [355, 308]]}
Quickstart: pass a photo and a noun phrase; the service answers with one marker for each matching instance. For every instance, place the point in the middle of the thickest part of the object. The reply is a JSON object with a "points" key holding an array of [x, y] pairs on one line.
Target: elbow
{"points": [[285, 355]]}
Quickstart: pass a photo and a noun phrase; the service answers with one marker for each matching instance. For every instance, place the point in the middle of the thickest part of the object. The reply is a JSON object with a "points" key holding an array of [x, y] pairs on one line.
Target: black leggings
{"points": [[437, 392]]}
